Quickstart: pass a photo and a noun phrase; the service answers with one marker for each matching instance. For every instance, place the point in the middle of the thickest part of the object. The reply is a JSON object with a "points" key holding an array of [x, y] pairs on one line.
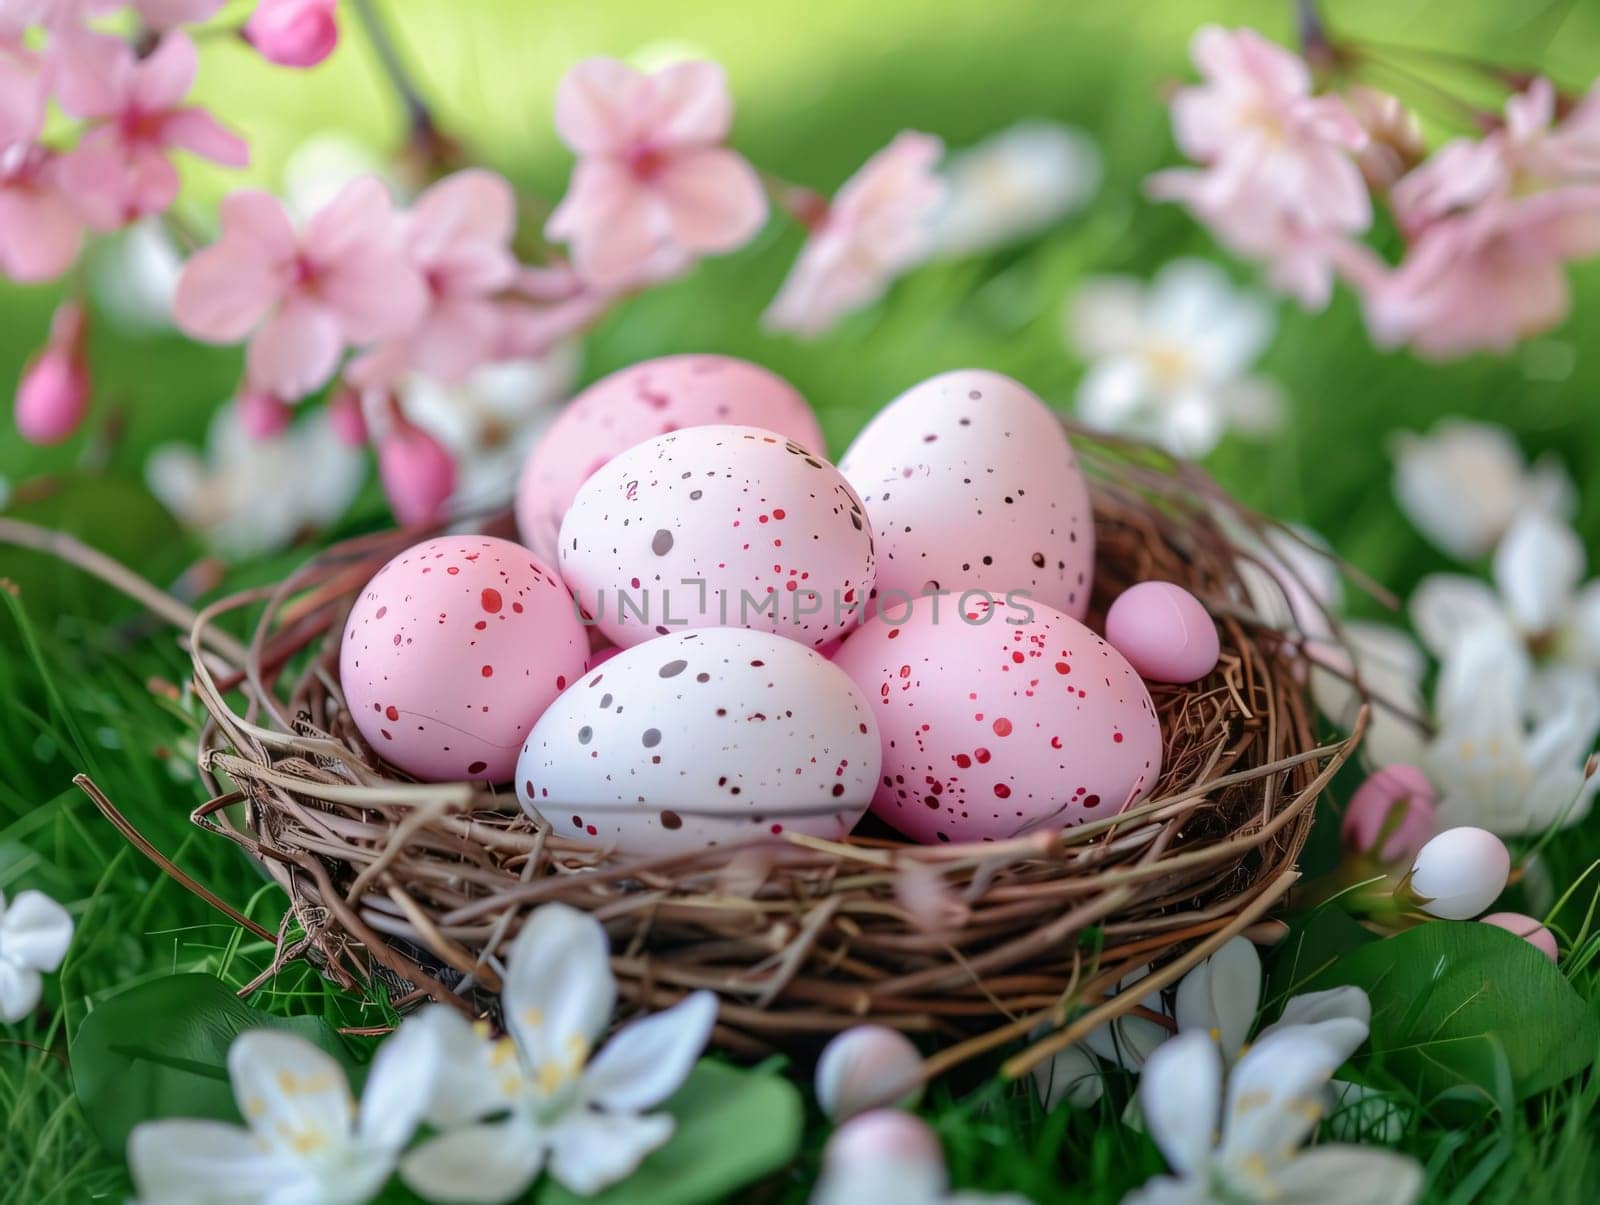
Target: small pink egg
{"points": [[453, 650], [639, 403], [1164, 632], [1527, 928]]}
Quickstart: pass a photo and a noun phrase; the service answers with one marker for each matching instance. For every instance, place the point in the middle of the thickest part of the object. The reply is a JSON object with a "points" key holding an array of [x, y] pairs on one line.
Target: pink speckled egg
{"points": [[453, 650], [639, 402], [1165, 632], [718, 527], [969, 480], [700, 738], [999, 719]]}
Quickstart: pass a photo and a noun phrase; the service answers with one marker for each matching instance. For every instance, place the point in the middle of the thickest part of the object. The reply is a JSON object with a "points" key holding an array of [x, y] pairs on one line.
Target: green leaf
{"points": [[1316, 941], [160, 1049], [733, 1128], [1468, 1011]]}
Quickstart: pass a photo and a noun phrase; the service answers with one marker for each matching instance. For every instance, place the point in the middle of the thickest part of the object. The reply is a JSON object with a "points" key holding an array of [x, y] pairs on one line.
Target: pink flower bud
{"points": [[53, 395], [418, 474], [868, 1067], [293, 33], [261, 414], [885, 1136], [346, 418], [1391, 815], [1525, 927], [1459, 873]]}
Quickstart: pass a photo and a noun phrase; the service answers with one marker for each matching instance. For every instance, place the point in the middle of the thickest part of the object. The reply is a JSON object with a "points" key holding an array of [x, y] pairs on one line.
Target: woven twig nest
{"points": [[418, 886]]}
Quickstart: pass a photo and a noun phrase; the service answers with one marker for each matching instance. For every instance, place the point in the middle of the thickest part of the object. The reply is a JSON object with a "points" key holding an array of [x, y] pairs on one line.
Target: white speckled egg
{"points": [[969, 480], [703, 737], [999, 719], [453, 650], [718, 527], [652, 398]]}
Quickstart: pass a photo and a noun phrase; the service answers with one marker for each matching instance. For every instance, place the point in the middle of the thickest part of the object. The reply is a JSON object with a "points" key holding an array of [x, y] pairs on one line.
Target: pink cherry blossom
{"points": [[877, 227], [120, 169], [1279, 181], [344, 279], [1484, 278], [53, 395], [654, 185], [458, 235], [40, 230], [293, 33]]}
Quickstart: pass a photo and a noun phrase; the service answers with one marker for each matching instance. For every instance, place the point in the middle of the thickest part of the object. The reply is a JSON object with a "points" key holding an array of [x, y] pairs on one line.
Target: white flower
{"points": [[1391, 668], [1536, 597], [544, 1099], [247, 496], [1514, 744], [1076, 1074], [1459, 873], [889, 1156], [135, 276], [491, 419], [1236, 1135], [1464, 482], [1169, 362], [35, 932], [867, 1067], [305, 1141], [1014, 184]]}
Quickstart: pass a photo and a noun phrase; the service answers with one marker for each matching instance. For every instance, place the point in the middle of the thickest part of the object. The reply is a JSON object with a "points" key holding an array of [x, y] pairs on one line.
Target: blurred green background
{"points": [[819, 85]]}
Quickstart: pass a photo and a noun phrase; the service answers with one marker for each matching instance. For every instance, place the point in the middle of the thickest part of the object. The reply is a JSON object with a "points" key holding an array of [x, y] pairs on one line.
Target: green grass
{"points": [[819, 86]]}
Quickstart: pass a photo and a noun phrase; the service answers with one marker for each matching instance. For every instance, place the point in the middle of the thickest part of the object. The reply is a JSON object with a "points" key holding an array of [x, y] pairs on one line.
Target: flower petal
{"points": [[464, 211], [1350, 1175], [1538, 566], [295, 351], [559, 988], [689, 104], [287, 1089], [589, 1151], [474, 1076], [399, 1087], [195, 130], [1445, 606], [647, 1061], [1072, 1075], [714, 199], [35, 931], [1180, 1092], [484, 1164], [1219, 997], [595, 106], [20, 988], [202, 1161], [1275, 1097], [164, 76]]}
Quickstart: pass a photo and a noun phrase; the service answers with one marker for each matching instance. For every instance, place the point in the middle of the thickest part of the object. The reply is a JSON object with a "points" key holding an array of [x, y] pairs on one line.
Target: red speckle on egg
{"points": [[392, 712], [488, 671], [982, 756], [1002, 727], [491, 600], [1002, 791]]}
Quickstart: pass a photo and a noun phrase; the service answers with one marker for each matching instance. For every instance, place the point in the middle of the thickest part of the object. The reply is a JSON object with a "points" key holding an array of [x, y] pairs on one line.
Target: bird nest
{"points": [[414, 889]]}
